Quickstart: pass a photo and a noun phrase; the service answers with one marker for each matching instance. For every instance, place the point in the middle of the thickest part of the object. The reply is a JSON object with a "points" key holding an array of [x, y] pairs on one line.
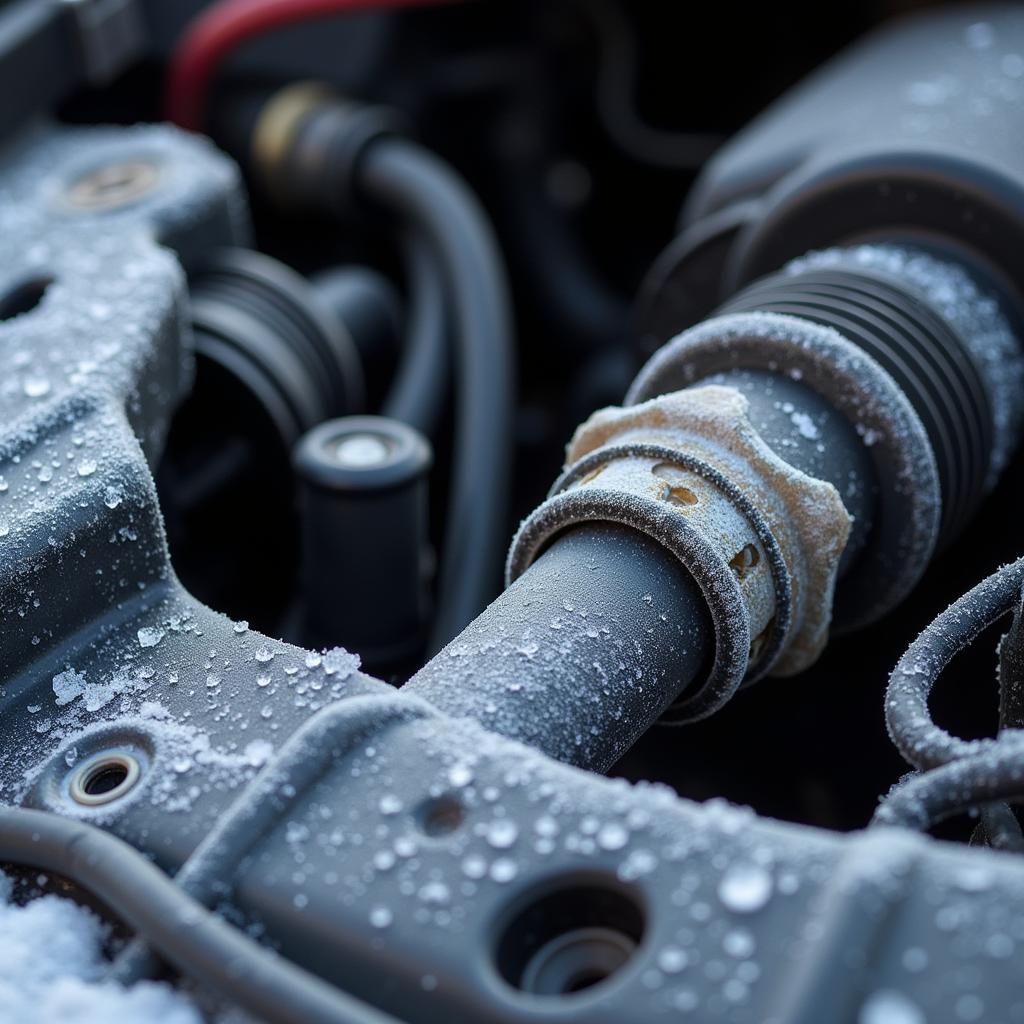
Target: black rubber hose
{"points": [[583, 652], [923, 743], [923, 800], [422, 191], [197, 942], [420, 383]]}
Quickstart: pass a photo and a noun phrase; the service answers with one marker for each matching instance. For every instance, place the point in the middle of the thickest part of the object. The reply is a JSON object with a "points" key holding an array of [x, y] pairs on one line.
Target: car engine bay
{"points": [[508, 512]]}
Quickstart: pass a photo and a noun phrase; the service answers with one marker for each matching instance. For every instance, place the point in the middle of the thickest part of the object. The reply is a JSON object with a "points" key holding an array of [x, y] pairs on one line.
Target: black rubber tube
{"points": [[420, 383], [955, 774], [923, 743], [420, 189], [583, 653], [197, 942], [923, 800]]}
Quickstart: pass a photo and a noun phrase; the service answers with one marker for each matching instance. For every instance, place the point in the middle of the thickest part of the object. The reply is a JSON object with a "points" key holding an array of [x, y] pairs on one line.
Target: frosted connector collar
{"points": [[761, 539]]}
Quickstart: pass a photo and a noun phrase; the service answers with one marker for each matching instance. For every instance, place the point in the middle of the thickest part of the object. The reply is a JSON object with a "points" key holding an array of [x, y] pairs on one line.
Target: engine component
{"points": [[364, 478], [434, 852], [312, 148]]}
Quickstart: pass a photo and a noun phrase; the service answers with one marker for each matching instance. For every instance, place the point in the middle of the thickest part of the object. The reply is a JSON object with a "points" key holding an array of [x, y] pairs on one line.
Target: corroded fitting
{"points": [[761, 539]]}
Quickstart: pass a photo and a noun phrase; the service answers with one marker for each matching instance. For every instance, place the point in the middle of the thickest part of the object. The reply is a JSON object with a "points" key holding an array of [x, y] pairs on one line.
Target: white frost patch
{"points": [[68, 685], [805, 425], [52, 971]]}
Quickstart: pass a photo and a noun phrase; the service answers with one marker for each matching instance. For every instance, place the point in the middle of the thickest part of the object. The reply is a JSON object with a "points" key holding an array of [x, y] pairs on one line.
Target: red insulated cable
{"points": [[226, 25]]}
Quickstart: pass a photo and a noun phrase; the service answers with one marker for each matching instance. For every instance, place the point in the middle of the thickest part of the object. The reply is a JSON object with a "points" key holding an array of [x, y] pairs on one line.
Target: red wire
{"points": [[227, 24]]}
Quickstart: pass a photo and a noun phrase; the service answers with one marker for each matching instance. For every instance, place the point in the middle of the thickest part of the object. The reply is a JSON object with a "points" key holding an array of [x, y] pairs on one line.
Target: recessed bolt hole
{"points": [[570, 940], [104, 778], [23, 298], [114, 185], [744, 560], [440, 816]]}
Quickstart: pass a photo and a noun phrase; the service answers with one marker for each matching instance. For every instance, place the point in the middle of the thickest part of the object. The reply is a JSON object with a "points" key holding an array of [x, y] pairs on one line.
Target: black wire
{"points": [[924, 799], [420, 383], [956, 774], [923, 743], [421, 189], [196, 941], [616, 84]]}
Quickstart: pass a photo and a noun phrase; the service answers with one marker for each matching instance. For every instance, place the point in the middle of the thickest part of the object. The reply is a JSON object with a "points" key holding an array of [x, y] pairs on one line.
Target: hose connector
{"points": [[762, 539], [307, 141]]}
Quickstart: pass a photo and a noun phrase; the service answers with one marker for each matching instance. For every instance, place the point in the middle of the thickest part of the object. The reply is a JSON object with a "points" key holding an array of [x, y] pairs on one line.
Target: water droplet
{"points": [[738, 943], [546, 826], [460, 775], [36, 387], [263, 655], [887, 1006], [504, 869], [612, 836], [474, 866], [381, 917], [672, 959], [435, 892], [745, 888], [502, 833], [389, 804], [87, 467]]}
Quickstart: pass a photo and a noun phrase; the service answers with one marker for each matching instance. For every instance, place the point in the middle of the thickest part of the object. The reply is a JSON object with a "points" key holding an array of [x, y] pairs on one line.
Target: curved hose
{"points": [[926, 798], [954, 774], [419, 386], [196, 941], [423, 191], [923, 743]]}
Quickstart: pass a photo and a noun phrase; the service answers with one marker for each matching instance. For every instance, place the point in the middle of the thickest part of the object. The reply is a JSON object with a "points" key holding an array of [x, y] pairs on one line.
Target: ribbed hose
{"points": [[917, 347], [422, 191]]}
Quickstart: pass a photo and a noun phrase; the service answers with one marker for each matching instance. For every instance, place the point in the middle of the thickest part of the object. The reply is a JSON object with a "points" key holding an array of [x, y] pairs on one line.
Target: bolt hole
{"points": [[24, 297], [440, 816], [114, 185], [744, 560], [104, 778], [571, 940]]}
